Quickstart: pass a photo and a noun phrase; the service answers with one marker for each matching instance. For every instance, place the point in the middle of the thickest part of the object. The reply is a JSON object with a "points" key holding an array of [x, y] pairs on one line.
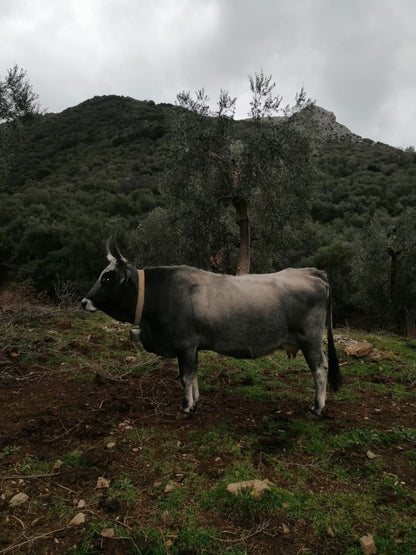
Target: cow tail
{"points": [[334, 373]]}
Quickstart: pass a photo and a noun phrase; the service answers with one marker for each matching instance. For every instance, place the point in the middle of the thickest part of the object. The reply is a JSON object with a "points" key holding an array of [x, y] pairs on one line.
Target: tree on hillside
{"points": [[18, 106], [263, 170], [17, 99], [385, 266]]}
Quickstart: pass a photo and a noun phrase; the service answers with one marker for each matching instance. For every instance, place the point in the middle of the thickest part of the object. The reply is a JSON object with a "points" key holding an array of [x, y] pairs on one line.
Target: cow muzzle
{"points": [[88, 305]]}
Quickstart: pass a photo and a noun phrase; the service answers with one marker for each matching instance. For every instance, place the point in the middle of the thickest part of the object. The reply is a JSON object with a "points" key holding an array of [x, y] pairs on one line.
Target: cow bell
{"points": [[135, 333]]}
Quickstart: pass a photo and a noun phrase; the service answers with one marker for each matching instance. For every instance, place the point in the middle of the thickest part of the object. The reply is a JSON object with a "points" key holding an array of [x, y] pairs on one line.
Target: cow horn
{"points": [[113, 252], [109, 254]]}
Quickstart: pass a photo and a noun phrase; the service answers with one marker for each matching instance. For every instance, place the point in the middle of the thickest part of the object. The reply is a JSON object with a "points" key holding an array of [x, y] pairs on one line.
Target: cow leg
{"points": [[319, 368], [188, 368]]}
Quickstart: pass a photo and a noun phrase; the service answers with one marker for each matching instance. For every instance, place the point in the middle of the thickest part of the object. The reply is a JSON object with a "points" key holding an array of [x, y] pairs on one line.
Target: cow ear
{"points": [[126, 272]]}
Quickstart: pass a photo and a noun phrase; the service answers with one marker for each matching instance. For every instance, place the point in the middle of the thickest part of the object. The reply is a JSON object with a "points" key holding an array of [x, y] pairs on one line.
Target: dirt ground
{"points": [[48, 414]]}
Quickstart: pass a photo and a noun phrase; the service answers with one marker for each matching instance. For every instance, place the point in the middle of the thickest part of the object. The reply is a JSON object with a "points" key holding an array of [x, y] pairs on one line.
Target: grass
{"points": [[325, 490]]}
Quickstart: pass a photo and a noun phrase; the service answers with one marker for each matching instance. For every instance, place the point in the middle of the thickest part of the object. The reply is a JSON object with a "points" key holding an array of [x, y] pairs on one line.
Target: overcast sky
{"points": [[356, 58]]}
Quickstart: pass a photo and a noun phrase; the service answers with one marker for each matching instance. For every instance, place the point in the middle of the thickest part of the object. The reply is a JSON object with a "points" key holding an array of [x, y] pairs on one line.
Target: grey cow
{"points": [[183, 310]]}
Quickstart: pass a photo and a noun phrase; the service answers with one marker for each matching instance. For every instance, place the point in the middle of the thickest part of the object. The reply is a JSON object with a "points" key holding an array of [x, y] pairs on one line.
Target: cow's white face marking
{"points": [[89, 306], [110, 267]]}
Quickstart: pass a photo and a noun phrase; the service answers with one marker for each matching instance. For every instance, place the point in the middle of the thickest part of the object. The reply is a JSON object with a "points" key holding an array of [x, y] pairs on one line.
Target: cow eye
{"points": [[106, 279]]}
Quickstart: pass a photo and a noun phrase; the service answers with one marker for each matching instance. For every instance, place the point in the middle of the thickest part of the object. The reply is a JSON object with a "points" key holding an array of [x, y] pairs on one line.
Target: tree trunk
{"points": [[407, 324], [406, 321], [242, 219]]}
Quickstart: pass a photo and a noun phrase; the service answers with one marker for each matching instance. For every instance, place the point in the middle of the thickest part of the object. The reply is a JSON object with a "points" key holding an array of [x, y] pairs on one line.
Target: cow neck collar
{"points": [[140, 298]]}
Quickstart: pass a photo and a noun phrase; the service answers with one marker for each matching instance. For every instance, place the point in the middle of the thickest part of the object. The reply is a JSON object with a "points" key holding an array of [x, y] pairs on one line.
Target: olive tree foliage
{"points": [[18, 106], [255, 173], [384, 269]]}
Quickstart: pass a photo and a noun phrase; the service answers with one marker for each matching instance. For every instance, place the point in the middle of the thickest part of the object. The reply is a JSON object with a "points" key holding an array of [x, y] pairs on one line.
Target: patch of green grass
{"points": [[124, 490], [9, 450], [74, 459], [220, 441], [58, 506], [31, 466], [92, 538], [411, 455]]}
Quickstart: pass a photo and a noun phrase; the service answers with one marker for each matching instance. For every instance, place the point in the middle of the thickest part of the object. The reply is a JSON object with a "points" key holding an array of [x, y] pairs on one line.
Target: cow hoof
{"points": [[181, 415], [316, 412]]}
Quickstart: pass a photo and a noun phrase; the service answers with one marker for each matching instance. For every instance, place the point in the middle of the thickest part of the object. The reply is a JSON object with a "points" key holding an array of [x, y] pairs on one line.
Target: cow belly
{"points": [[246, 345]]}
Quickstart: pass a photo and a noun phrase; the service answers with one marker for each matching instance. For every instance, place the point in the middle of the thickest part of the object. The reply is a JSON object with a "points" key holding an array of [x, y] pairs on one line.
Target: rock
{"points": [[360, 349], [81, 504], [78, 520], [107, 533], [371, 455], [258, 487], [368, 545], [111, 445], [58, 464], [18, 499], [285, 529], [170, 487], [102, 483]]}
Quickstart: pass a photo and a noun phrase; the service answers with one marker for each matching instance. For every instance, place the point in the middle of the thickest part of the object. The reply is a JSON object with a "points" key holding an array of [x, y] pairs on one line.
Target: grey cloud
{"points": [[355, 58]]}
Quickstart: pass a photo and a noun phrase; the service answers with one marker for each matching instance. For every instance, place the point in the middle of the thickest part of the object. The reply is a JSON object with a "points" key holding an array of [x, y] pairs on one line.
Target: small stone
{"points": [[78, 520], [170, 487], [111, 445], [285, 529], [81, 504], [368, 545], [258, 487], [371, 455], [107, 533], [102, 483], [330, 532], [18, 499], [58, 464]]}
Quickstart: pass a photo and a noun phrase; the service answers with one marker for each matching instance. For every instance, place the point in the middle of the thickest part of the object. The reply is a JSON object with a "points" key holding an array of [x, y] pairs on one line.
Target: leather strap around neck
{"points": [[140, 298]]}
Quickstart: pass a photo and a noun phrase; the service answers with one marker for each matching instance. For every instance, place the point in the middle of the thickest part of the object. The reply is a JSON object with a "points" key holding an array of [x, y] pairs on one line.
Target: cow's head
{"points": [[115, 291]]}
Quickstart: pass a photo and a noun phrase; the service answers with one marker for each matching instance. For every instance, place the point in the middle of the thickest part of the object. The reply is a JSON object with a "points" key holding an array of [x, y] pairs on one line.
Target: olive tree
{"points": [[262, 168], [384, 269]]}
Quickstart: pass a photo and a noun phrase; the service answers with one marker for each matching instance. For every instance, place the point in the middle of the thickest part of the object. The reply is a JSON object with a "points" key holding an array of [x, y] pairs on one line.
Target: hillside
{"points": [[98, 167]]}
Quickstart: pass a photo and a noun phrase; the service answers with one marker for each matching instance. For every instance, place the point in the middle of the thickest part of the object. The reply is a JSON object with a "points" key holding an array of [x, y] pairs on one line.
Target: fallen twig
{"points": [[64, 433], [22, 524], [27, 477], [30, 540], [253, 532]]}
